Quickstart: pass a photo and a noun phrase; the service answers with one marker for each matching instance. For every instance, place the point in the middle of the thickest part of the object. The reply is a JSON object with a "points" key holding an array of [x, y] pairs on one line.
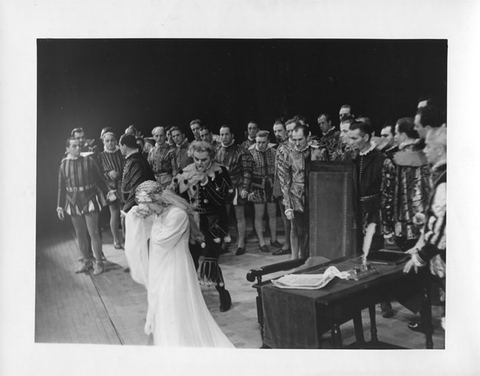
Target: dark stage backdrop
{"points": [[98, 83]]}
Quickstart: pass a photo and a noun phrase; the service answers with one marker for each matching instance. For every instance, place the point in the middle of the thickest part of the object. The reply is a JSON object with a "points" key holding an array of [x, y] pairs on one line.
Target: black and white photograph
{"points": [[211, 191]]}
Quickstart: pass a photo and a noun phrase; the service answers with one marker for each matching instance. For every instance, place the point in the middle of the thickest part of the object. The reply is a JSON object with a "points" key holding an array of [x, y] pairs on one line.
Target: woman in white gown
{"points": [[158, 232]]}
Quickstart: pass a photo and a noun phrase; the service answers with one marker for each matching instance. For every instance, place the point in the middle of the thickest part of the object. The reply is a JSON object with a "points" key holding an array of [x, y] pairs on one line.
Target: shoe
{"points": [[240, 251], [417, 327], [98, 268], [225, 301], [117, 245], [264, 248], [276, 244], [387, 310], [84, 267], [282, 252]]}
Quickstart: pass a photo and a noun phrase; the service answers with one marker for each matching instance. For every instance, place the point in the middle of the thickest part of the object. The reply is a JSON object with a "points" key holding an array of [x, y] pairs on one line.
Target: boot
{"points": [[225, 299]]}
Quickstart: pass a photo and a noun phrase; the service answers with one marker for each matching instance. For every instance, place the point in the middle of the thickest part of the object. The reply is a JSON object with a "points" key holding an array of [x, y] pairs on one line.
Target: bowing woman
{"points": [[158, 232], [207, 185]]}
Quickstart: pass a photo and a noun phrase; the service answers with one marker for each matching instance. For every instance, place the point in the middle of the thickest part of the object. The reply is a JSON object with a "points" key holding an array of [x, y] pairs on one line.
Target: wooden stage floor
{"points": [[110, 308]]}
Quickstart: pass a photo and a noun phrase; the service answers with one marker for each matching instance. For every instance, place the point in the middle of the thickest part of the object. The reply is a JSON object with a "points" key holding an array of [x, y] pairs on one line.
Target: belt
{"points": [[80, 189]]}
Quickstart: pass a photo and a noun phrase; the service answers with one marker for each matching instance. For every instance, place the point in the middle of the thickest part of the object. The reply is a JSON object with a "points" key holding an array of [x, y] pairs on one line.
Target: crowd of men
{"points": [[400, 179]]}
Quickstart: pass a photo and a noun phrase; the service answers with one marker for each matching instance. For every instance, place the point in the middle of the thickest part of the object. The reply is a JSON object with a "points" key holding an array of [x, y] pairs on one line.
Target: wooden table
{"points": [[292, 318]]}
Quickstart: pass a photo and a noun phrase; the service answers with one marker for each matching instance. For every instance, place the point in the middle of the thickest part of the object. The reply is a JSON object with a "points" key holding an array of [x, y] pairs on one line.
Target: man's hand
{"points": [[289, 215], [113, 174], [409, 265], [123, 214], [243, 194], [61, 214]]}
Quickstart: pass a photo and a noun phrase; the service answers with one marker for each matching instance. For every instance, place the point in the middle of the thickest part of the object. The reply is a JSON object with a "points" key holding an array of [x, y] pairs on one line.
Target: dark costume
{"points": [[81, 188], [238, 163], [367, 173], [209, 199], [136, 171]]}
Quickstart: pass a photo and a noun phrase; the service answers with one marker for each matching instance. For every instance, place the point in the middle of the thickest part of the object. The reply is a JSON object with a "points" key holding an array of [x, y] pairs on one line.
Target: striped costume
{"points": [[162, 160], [263, 175], [81, 187], [112, 161]]}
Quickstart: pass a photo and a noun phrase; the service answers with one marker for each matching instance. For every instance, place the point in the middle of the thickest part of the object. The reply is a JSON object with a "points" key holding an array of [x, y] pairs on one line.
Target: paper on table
{"points": [[309, 281]]}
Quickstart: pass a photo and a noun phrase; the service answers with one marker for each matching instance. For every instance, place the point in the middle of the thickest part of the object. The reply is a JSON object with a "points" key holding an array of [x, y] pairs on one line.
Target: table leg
{"points": [[426, 311], [336, 336], [358, 325], [373, 324]]}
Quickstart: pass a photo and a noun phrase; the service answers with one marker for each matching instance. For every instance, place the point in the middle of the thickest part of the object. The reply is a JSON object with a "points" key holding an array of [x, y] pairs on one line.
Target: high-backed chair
{"points": [[332, 226]]}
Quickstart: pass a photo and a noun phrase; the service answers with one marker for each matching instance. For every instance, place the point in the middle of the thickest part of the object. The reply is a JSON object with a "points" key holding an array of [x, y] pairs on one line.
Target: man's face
{"points": [[202, 160], [252, 130], [123, 149], [178, 137], [344, 128], [110, 142], [299, 139], [343, 113], [226, 136], [279, 132], [387, 135], [196, 131], [159, 136], [74, 148], [80, 137], [262, 143], [324, 124], [399, 137], [290, 128], [422, 131], [205, 135], [432, 151], [357, 140]]}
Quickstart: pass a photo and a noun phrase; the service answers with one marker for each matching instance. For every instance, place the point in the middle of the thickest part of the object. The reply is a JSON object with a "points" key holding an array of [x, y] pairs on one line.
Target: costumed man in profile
{"points": [[367, 173], [207, 186], [431, 247]]}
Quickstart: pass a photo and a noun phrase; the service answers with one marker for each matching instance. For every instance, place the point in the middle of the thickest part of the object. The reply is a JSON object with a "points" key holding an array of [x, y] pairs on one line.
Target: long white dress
{"points": [[177, 314]]}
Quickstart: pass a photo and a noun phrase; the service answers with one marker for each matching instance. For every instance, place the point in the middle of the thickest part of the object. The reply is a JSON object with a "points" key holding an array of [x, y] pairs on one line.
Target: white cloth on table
{"points": [[177, 314], [309, 281]]}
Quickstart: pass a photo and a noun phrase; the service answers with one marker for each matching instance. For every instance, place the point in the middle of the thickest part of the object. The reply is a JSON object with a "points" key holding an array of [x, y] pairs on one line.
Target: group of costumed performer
{"points": [[207, 186]]}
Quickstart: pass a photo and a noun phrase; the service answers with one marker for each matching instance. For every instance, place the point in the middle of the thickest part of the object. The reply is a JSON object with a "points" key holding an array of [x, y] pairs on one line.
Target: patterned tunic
{"points": [[248, 143], [434, 235], [112, 161], [263, 175], [162, 160], [405, 191], [291, 173], [331, 143], [136, 171], [239, 164], [283, 149], [182, 159], [81, 187]]}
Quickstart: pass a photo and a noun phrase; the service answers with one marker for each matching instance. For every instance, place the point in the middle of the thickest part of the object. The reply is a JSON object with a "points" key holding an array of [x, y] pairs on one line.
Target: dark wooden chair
{"points": [[332, 227]]}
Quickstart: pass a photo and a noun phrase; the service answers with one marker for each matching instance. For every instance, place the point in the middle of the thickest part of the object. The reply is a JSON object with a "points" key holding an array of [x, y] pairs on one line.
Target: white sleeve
{"points": [[137, 233]]}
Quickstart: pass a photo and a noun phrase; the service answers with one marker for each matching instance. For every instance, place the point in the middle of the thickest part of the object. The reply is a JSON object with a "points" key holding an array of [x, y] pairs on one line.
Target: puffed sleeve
{"points": [[137, 233]]}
